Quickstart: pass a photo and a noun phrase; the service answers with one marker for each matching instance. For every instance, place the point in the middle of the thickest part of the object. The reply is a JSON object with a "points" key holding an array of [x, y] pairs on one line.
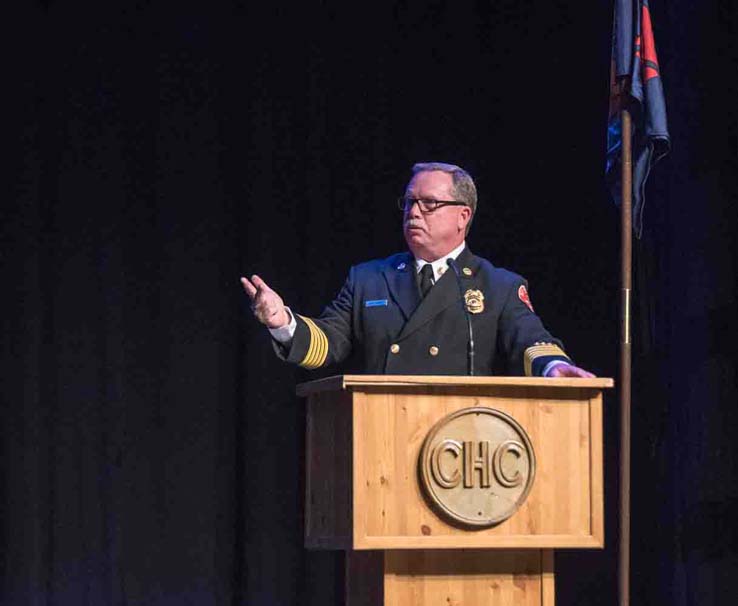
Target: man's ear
{"points": [[464, 217]]}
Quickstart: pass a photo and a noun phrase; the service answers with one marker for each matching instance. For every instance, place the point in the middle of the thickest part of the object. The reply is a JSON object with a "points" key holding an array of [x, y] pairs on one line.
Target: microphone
{"points": [[470, 345]]}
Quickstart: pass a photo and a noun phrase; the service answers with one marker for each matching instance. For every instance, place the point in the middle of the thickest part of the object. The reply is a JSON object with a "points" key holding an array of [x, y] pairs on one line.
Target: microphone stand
{"points": [[470, 345]]}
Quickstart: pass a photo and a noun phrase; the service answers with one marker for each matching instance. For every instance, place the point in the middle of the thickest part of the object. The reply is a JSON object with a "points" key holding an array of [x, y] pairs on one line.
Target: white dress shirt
{"points": [[439, 265]]}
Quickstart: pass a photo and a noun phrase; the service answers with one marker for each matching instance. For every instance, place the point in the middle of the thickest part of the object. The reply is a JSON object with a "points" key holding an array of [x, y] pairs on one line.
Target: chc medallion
{"points": [[477, 466]]}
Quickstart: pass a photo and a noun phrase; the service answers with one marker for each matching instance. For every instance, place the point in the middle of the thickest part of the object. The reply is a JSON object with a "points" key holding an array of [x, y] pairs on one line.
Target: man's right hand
{"points": [[266, 304]]}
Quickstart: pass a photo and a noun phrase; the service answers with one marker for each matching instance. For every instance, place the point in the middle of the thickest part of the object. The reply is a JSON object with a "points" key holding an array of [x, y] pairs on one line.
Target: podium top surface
{"points": [[357, 382]]}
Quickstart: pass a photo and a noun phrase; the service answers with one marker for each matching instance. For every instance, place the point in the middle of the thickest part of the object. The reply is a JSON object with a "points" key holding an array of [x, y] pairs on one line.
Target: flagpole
{"points": [[626, 285]]}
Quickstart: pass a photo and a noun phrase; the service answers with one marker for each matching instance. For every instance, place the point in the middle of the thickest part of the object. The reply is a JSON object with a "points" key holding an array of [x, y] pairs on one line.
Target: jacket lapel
{"points": [[443, 294], [402, 284]]}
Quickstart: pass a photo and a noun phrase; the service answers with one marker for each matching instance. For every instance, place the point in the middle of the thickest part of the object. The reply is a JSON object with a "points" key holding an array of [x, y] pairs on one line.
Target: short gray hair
{"points": [[464, 189]]}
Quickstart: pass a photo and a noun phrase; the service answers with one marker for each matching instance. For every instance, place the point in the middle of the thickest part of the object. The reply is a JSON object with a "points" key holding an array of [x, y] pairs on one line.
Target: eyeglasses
{"points": [[425, 206]]}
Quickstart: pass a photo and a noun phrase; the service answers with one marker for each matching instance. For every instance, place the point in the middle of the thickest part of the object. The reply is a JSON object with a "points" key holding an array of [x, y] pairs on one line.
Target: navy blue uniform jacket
{"points": [[379, 310]]}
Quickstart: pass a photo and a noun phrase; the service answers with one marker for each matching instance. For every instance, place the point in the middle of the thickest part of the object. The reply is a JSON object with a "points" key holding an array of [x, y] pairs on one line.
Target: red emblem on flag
{"points": [[523, 296], [648, 56]]}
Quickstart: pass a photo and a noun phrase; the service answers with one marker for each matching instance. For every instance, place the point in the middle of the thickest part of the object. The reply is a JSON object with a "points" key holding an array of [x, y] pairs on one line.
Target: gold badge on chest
{"points": [[474, 300]]}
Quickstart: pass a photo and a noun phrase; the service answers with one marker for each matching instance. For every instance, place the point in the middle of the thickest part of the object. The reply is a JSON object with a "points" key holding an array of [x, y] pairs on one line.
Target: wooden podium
{"points": [[368, 491]]}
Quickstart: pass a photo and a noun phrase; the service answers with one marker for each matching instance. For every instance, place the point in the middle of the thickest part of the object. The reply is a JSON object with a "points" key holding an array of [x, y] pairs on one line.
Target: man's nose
{"points": [[414, 211]]}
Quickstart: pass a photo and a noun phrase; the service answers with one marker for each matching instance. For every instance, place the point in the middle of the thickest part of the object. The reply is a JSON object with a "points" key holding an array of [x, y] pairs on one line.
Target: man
{"points": [[406, 313]]}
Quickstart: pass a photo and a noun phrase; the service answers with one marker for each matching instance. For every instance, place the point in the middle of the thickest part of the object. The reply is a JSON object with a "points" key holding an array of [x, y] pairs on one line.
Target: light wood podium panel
{"points": [[450, 577], [364, 439], [363, 491]]}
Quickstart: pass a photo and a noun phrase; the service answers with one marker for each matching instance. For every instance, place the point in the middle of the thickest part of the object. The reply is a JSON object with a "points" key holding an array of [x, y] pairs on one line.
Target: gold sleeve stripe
{"points": [[318, 349], [319, 346], [320, 341], [537, 351], [311, 355], [308, 360]]}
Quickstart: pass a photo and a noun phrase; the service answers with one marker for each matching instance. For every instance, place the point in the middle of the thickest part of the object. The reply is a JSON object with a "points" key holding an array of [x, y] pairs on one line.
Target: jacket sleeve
{"points": [[324, 340], [525, 342]]}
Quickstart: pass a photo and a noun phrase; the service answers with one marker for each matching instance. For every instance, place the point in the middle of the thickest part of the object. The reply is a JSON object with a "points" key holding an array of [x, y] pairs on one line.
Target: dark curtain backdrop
{"points": [[151, 444]]}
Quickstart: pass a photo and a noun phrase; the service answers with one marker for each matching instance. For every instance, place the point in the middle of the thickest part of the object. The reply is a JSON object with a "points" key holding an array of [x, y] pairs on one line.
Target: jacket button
{"points": [[395, 348], [433, 350]]}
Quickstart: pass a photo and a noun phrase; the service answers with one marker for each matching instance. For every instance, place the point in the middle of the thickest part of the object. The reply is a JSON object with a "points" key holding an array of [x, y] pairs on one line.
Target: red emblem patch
{"points": [[523, 296]]}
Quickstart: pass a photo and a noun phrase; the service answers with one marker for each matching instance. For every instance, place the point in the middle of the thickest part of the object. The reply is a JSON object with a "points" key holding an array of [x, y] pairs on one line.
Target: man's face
{"points": [[432, 235]]}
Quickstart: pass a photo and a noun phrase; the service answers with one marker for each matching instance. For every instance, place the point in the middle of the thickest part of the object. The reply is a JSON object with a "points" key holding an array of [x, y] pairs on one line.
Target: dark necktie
{"points": [[426, 279]]}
